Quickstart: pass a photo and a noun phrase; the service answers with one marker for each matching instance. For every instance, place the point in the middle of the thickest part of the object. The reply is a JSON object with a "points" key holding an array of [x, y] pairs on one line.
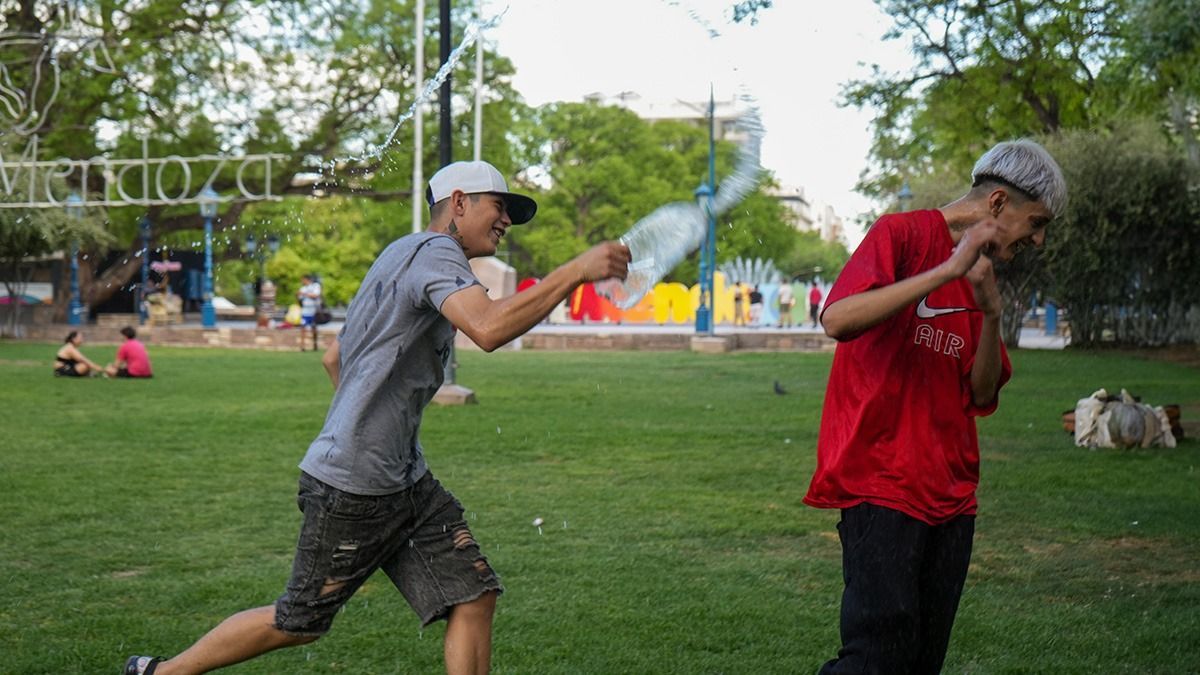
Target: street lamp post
{"points": [[704, 313], [144, 226], [905, 196], [75, 210], [264, 296], [252, 249], [208, 211], [259, 255]]}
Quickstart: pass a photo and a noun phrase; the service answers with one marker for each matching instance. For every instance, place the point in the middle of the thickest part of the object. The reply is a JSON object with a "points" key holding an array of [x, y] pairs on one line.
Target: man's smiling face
{"points": [[482, 223]]}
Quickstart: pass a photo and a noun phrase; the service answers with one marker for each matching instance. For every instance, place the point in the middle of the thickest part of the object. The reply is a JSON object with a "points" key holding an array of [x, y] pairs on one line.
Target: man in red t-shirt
{"points": [[132, 359], [916, 312]]}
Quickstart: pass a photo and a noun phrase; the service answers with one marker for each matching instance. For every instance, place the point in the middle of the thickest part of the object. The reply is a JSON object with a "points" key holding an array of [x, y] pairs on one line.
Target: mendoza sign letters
{"points": [[127, 182]]}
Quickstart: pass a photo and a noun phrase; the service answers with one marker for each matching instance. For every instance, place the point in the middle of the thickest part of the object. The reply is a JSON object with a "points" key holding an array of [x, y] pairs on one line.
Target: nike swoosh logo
{"points": [[924, 311]]}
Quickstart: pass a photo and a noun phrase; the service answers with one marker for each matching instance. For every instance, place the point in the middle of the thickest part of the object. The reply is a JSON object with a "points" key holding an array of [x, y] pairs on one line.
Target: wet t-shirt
{"points": [[898, 425], [393, 350]]}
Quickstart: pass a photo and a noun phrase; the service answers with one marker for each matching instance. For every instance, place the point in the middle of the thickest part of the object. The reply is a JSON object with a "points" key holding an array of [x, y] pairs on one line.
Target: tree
{"points": [[747, 10], [986, 71], [321, 82], [1003, 69], [29, 234], [1124, 257], [815, 258], [1158, 71]]}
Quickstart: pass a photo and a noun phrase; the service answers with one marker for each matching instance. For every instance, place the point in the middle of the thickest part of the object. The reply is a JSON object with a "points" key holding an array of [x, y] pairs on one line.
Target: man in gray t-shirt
{"points": [[392, 352], [368, 498]]}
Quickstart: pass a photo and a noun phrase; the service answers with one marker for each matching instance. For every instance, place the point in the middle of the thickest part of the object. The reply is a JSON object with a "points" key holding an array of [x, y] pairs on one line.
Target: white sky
{"points": [[793, 62]]}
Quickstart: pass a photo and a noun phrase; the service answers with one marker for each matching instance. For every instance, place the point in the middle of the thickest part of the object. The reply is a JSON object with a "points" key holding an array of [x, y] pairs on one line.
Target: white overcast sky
{"points": [[793, 62]]}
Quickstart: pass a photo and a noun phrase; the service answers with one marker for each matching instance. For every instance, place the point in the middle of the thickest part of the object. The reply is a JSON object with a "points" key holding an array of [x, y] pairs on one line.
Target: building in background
{"points": [[810, 215], [725, 112]]}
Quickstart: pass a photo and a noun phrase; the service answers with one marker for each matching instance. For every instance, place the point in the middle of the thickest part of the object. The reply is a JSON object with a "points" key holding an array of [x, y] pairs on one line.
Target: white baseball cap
{"points": [[476, 177]]}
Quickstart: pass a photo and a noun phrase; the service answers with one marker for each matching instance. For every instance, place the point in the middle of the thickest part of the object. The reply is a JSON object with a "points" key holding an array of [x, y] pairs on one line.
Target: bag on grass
{"points": [[1103, 421], [323, 315]]}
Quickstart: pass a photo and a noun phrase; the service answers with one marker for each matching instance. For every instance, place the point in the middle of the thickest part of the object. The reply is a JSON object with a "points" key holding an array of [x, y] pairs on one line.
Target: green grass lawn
{"points": [[136, 515]]}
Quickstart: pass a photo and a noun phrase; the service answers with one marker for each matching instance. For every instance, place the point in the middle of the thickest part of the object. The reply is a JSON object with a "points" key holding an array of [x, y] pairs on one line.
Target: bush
{"points": [[1125, 258]]}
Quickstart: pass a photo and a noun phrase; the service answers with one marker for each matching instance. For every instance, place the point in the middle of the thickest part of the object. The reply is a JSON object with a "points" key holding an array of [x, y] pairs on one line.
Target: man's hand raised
{"points": [[603, 261], [976, 240], [983, 281]]}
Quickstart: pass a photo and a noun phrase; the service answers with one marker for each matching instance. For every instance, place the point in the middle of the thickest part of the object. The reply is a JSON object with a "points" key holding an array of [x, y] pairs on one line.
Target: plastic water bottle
{"points": [[656, 245], [660, 240]]}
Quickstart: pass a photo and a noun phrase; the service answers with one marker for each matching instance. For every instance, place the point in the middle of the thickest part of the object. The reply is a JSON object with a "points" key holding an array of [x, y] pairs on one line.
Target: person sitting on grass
{"points": [[70, 362], [132, 359], [369, 500]]}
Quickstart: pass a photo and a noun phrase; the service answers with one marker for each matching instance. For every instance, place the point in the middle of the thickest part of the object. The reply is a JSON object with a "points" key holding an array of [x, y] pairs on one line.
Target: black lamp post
{"points": [[144, 226]]}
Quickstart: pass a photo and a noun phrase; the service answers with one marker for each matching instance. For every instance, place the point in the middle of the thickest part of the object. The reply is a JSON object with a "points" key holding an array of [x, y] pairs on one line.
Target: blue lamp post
{"points": [[905, 196], [75, 210], [704, 313], [144, 226], [705, 317], [208, 210]]}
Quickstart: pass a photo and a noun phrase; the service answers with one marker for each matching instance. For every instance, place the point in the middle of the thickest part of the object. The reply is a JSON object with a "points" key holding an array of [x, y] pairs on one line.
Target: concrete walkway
{"points": [[544, 336]]}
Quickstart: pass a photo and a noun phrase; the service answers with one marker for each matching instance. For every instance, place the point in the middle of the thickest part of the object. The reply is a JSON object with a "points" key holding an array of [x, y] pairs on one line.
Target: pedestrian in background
{"points": [[787, 300], [814, 303], [310, 302]]}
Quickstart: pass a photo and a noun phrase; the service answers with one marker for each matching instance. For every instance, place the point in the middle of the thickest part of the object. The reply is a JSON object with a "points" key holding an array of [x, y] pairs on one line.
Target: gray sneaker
{"points": [[141, 665]]}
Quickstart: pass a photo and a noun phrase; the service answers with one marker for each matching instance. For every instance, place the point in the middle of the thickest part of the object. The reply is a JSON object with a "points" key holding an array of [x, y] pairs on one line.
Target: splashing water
{"points": [[713, 33], [658, 242], [746, 174], [751, 271], [470, 36]]}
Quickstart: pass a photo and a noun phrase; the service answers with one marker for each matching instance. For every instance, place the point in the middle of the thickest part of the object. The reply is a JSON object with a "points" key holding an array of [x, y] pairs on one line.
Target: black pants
{"points": [[903, 580]]}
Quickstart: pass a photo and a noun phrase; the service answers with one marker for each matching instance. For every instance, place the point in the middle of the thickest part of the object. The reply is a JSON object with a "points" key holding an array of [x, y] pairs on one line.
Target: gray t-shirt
{"points": [[393, 351]]}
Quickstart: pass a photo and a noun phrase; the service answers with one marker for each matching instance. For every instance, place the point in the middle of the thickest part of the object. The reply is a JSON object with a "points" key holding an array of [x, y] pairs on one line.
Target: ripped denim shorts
{"points": [[418, 537]]}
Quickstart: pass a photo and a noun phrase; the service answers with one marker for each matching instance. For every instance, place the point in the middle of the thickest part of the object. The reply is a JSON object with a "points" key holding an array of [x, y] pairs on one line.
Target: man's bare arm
{"points": [[332, 362], [850, 316], [985, 371], [493, 323]]}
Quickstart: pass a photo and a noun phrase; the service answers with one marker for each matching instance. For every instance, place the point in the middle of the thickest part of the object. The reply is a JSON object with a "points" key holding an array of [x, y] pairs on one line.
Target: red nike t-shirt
{"points": [[898, 427]]}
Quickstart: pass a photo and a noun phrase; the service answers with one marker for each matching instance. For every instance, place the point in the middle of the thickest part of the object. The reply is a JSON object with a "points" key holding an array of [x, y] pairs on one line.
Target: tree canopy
{"points": [[318, 81], [322, 83], [607, 169], [1003, 69]]}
